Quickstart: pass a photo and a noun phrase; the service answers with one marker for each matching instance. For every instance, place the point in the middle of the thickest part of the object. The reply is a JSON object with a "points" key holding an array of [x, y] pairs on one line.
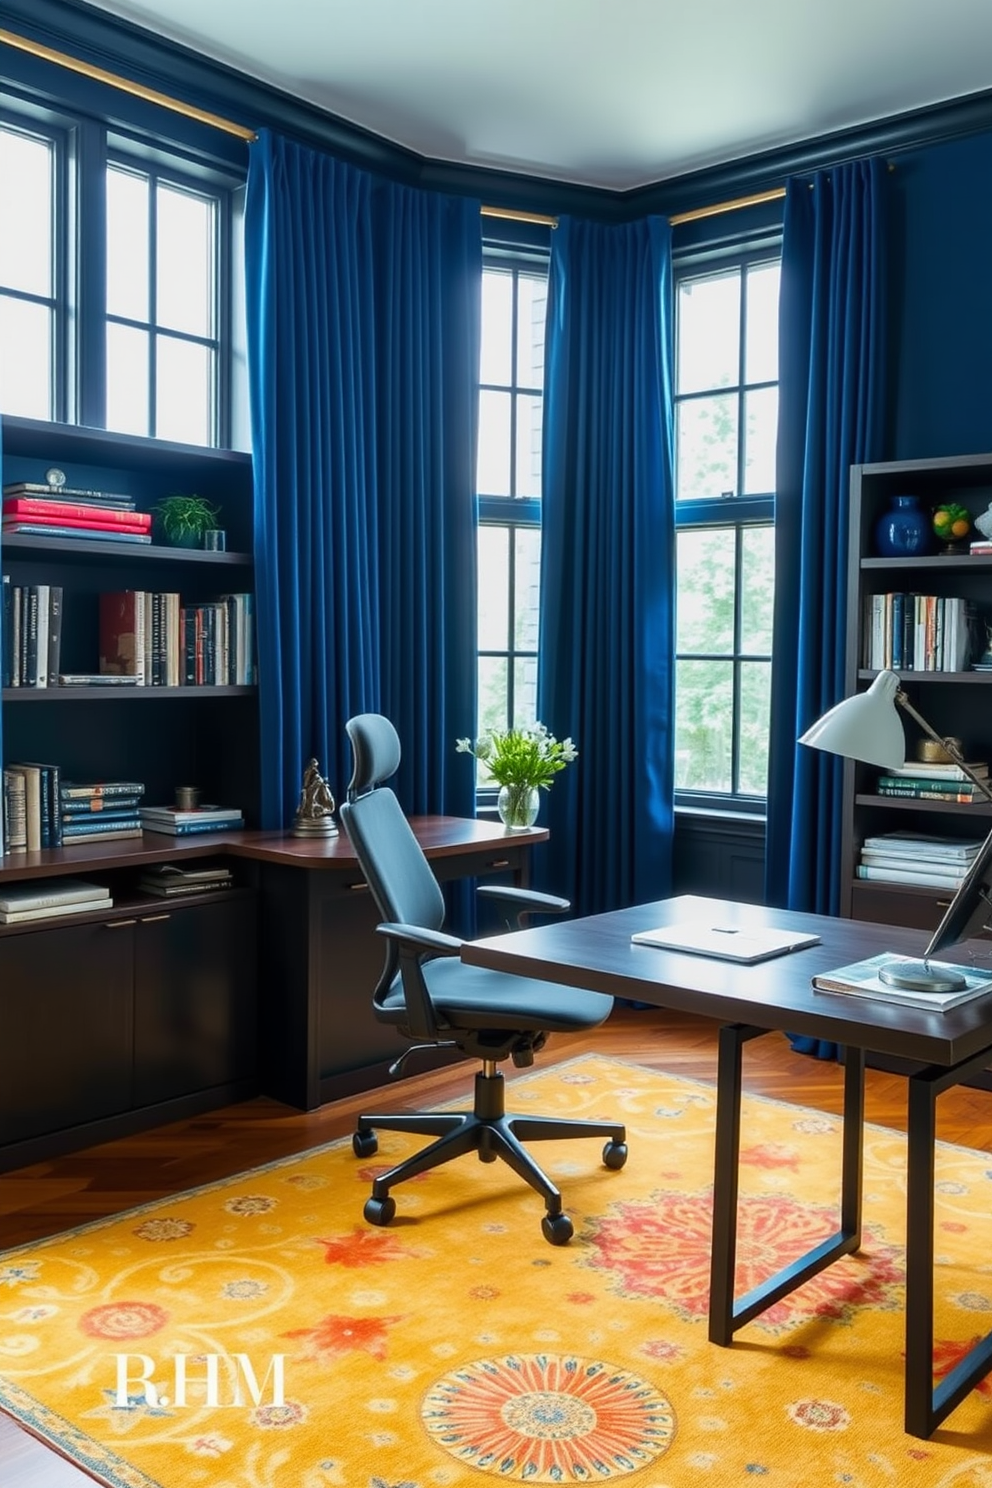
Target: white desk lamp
{"points": [[867, 727]]}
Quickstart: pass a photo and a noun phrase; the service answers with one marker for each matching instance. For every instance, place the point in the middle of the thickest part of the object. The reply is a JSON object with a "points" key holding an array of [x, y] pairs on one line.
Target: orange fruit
{"points": [[960, 528]]}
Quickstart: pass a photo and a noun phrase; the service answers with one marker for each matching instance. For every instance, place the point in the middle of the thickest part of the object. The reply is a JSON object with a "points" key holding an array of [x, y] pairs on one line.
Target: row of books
{"points": [[61, 511], [32, 634], [155, 640], [40, 810], [922, 781], [934, 862], [919, 632]]}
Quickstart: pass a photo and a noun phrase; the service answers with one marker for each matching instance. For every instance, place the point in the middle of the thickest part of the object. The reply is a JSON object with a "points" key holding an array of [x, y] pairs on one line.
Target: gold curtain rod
{"points": [[698, 213], [125, 85], [509, 214]]}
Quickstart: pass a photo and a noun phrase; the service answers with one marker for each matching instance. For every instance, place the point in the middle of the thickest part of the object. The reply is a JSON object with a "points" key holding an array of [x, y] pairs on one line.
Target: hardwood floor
{"points": [[50, 1197]]}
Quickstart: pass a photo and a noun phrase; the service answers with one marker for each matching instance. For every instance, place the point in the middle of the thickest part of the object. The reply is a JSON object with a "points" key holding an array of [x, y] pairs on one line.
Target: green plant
{"points": [[524, 756], [185, 518]]}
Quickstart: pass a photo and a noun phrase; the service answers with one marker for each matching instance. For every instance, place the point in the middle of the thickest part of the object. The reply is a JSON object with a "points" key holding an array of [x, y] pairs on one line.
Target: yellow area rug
{"points": [[458, 1347]]}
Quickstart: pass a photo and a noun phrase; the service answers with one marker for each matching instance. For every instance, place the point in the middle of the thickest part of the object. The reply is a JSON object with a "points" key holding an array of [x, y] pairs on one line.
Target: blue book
{"points": [[90, 826], [186, 829], [88, 534]]}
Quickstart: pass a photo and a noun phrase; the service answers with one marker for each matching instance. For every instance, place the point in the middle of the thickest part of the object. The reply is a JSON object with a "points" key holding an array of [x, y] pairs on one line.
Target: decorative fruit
{"points": [[951, 522]]}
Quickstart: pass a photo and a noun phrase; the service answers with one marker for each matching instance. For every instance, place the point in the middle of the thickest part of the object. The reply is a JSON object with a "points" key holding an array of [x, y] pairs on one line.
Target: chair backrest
{"points": [[399, 876]]}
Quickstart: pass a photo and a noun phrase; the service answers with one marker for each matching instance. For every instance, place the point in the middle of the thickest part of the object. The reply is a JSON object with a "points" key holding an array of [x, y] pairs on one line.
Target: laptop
{"points": [[726, 942]]}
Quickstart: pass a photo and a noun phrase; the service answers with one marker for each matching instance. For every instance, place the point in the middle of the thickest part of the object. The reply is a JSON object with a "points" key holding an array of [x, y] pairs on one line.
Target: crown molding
{"points": [[121, 46]]}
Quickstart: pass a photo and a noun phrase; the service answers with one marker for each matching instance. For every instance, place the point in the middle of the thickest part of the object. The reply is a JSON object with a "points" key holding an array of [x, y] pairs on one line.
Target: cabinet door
{"points": [[194, 998], [65, 1027]]}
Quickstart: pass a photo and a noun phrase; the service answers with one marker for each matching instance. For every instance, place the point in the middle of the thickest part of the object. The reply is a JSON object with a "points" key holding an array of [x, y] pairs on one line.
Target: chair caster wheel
{"points": [[379, 1211], [615, 1154], [557, 1229], [365, 1144]]}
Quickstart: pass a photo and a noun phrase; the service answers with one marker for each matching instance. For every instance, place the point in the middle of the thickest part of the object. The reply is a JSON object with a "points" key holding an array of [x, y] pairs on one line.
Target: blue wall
{"points": [[941, 304]]}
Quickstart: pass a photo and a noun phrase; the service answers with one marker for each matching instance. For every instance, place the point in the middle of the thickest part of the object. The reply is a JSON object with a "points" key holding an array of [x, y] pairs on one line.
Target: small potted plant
{"points": [[184, 519]]}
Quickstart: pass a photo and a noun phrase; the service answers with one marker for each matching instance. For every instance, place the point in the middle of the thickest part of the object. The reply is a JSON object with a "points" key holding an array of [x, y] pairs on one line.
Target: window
{"points": [[514, 297], [116, 288], [726, 420], [162, 273], [30, 312]]}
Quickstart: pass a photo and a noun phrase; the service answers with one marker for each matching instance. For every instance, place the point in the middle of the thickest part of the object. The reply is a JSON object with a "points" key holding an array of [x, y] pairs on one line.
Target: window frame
{"points": [[737, 512], [510, 512]]}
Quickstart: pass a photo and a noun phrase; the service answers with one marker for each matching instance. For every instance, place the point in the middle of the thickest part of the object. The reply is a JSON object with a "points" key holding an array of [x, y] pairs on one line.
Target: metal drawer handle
{"points": [[150, 919], [499, 863], [119, 924], [358, 886]]}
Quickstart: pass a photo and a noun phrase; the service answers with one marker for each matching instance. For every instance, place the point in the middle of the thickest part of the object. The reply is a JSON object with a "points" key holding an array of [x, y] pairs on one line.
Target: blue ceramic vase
{"points": [[903, 531]]}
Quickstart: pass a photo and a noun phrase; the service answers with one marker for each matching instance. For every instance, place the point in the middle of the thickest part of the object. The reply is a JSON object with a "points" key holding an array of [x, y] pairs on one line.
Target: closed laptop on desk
{"points": [[728, 942]]}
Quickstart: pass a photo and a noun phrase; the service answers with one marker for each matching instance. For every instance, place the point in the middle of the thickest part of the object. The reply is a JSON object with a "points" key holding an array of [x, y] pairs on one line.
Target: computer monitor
{"points": [[971, 908]]}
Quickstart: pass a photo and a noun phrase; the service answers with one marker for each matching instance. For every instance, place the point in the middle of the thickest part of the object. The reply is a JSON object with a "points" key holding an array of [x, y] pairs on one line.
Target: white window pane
{"points": [[529, 414], [494, 444], [493, 702], [709, 332], [532, 302], [524, 691], [185, 262], [704, 725], [494, 588], [761, 348], [757, 589], [761, 414], [127, 379], [25, 358], [127, 244], [756, 684], [706, 454], [26, 179], [184, 391], [527, 587], [705, 591], [497, 327]]}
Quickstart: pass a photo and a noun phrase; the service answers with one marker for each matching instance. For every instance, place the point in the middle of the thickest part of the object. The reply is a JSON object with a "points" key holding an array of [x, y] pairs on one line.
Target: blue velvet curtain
{"points": [[831, 410], [362, 320], [607, 566]]}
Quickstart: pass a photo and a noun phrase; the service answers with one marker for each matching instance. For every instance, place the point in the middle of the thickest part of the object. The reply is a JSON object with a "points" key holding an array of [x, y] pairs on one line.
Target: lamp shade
{"points": [[865, 727]]}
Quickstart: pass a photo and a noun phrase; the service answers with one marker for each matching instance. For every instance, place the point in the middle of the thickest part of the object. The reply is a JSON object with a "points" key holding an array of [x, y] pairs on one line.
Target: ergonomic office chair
{"points": [[427, 993]]}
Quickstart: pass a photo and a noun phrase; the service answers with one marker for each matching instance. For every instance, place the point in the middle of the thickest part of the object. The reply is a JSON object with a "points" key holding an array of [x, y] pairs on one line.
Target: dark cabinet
{"points": [[105, 1023]]}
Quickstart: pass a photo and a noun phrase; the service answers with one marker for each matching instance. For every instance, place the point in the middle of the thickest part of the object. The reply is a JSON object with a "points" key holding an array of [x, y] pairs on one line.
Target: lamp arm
{"points": [[945, 744]]}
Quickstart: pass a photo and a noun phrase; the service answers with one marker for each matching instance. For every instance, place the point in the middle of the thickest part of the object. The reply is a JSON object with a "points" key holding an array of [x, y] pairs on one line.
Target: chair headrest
{"points": [[375, 747]]}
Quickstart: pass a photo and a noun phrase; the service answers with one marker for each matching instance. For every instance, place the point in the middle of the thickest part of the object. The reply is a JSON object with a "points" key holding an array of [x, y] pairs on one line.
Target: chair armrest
{"points": [[525, 901], [415, 937]]}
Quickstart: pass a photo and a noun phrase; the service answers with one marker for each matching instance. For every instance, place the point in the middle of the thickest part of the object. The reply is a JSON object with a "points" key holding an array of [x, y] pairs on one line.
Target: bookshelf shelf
{"points": [[118, 694], [947, 699], [78, 550]]}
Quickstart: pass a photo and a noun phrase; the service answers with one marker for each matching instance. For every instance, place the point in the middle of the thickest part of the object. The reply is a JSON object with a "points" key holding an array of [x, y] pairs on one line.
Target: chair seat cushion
{"points": [[473, 997]]}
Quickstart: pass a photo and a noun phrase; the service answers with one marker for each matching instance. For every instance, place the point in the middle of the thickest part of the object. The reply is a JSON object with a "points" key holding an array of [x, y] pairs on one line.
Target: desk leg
{"points": [[926, 1407], [726, 1315]]}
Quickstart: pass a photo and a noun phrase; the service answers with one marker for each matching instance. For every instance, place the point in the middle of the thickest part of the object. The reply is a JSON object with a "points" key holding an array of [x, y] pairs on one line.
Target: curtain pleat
{"points": [[362, 345], [831, 410], [606, 669]]}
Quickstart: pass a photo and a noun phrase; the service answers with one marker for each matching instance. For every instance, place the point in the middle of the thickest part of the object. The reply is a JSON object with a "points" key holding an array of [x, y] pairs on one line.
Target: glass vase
{"points": [[518, 806]]}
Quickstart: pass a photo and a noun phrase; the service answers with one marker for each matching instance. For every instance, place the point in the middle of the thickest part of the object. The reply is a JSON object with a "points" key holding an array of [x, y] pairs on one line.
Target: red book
{"points": [[122, 634], [70, 513]]}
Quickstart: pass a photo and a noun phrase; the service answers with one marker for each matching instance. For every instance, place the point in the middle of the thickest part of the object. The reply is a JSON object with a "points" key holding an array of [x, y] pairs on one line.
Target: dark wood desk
{"points": [[776, 995], [320, 957]]}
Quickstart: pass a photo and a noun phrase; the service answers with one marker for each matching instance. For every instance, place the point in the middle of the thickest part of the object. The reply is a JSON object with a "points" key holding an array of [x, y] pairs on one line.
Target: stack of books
{"points": [[169, 881], [100, 811], [861, 979], [65, 896], [32, 634], [180, 822], [155, 640], [911, 858], [927, 782], [60, 511]]}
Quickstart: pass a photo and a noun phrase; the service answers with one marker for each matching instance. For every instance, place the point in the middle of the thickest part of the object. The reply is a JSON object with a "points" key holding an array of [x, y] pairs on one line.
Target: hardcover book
{"points": [[54, 892], [861, 979], [122, 634]]}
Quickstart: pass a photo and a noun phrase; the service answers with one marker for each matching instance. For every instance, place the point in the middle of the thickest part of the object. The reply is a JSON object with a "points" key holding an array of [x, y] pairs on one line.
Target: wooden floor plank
{"points": [[51, 1197]]}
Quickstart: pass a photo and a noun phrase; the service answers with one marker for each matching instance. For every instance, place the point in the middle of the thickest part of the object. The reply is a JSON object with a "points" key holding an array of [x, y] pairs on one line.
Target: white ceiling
{"points": [[611, 93]]}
